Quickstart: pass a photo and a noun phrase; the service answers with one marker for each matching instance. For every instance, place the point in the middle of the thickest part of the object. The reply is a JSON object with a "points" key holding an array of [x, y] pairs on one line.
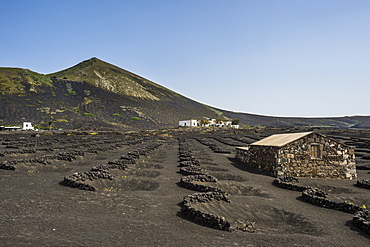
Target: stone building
{"points": [[307, 154]]}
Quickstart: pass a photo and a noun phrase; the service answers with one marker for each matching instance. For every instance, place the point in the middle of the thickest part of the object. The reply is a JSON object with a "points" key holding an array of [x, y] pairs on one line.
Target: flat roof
{"points": [[279, 140]]}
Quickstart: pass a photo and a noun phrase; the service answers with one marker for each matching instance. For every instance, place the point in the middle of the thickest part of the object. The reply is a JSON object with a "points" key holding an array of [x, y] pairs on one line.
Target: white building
{"points": [[207, 123], [27, 126], [189, 123]]}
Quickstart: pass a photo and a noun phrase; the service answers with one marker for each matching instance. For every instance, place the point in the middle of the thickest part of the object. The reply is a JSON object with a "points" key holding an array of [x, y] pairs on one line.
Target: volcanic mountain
{"points": [[97, 95]]}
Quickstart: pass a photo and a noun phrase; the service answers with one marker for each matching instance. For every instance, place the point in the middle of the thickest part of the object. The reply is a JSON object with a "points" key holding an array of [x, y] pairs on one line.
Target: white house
{"points": [[27, 126], [189, 123]]}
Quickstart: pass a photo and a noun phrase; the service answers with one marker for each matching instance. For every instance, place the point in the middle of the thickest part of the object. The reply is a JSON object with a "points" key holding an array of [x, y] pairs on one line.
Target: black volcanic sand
{"points": [[141, 205]]}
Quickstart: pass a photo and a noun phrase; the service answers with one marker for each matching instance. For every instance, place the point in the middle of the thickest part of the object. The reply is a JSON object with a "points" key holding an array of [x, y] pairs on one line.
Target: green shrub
{"points": [[235, 121], [38, 126], [117, 114], [61, 120], [88, 114], [135, 118], [76, 109]]}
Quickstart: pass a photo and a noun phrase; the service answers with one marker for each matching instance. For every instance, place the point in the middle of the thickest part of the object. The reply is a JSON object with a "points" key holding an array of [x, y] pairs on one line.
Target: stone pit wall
{"points": [[294, 159], [262, 157]]}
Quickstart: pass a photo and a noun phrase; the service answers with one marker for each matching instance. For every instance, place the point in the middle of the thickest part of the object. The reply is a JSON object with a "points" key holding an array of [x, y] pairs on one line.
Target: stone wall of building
{"points": [[334, 160], [261, 157]]}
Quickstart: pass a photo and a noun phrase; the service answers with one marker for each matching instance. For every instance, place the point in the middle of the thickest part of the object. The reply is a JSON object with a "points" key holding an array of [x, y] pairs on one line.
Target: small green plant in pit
{"points": [[135, 118], [93, 133], [88, 114], [348, 202], [363, 206], [112, 189], [117, 114], [124, 176], [32, 171]]}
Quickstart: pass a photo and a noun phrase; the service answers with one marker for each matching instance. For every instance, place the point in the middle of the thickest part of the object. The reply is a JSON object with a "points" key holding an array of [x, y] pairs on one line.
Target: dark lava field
{"points": [[175, 187]]}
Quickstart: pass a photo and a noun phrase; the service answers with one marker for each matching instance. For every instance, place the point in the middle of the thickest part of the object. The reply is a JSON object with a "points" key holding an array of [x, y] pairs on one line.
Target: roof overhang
{"points": [[280, 140]]}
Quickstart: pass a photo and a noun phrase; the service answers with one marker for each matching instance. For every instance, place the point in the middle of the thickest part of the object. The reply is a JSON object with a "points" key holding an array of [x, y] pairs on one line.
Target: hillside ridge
{"points": [[94, 94]]}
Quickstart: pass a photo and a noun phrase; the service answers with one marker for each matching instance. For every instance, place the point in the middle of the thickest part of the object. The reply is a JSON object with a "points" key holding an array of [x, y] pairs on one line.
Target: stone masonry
{"points": [[311, 155]]}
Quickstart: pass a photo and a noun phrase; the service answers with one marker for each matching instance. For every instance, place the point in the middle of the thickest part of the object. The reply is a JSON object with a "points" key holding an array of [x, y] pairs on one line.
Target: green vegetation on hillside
{"points": [[14, 80], [76, 109]]}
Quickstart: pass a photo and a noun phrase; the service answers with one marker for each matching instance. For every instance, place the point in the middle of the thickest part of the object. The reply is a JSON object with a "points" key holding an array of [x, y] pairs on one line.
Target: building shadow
{"points": [[247, 168]]}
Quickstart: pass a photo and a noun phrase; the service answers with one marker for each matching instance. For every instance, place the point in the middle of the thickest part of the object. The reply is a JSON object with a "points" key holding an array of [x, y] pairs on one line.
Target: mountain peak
{"points": [[111, 78], [95, 60], [89, 62]]}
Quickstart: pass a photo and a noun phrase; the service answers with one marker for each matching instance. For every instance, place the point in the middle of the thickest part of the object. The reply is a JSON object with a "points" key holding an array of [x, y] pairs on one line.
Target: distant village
{"points": [[183, 123], [210, 123]]}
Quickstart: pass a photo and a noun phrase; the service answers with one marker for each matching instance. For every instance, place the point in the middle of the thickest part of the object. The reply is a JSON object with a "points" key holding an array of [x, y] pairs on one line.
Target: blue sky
{"points": [[278, 58]]}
